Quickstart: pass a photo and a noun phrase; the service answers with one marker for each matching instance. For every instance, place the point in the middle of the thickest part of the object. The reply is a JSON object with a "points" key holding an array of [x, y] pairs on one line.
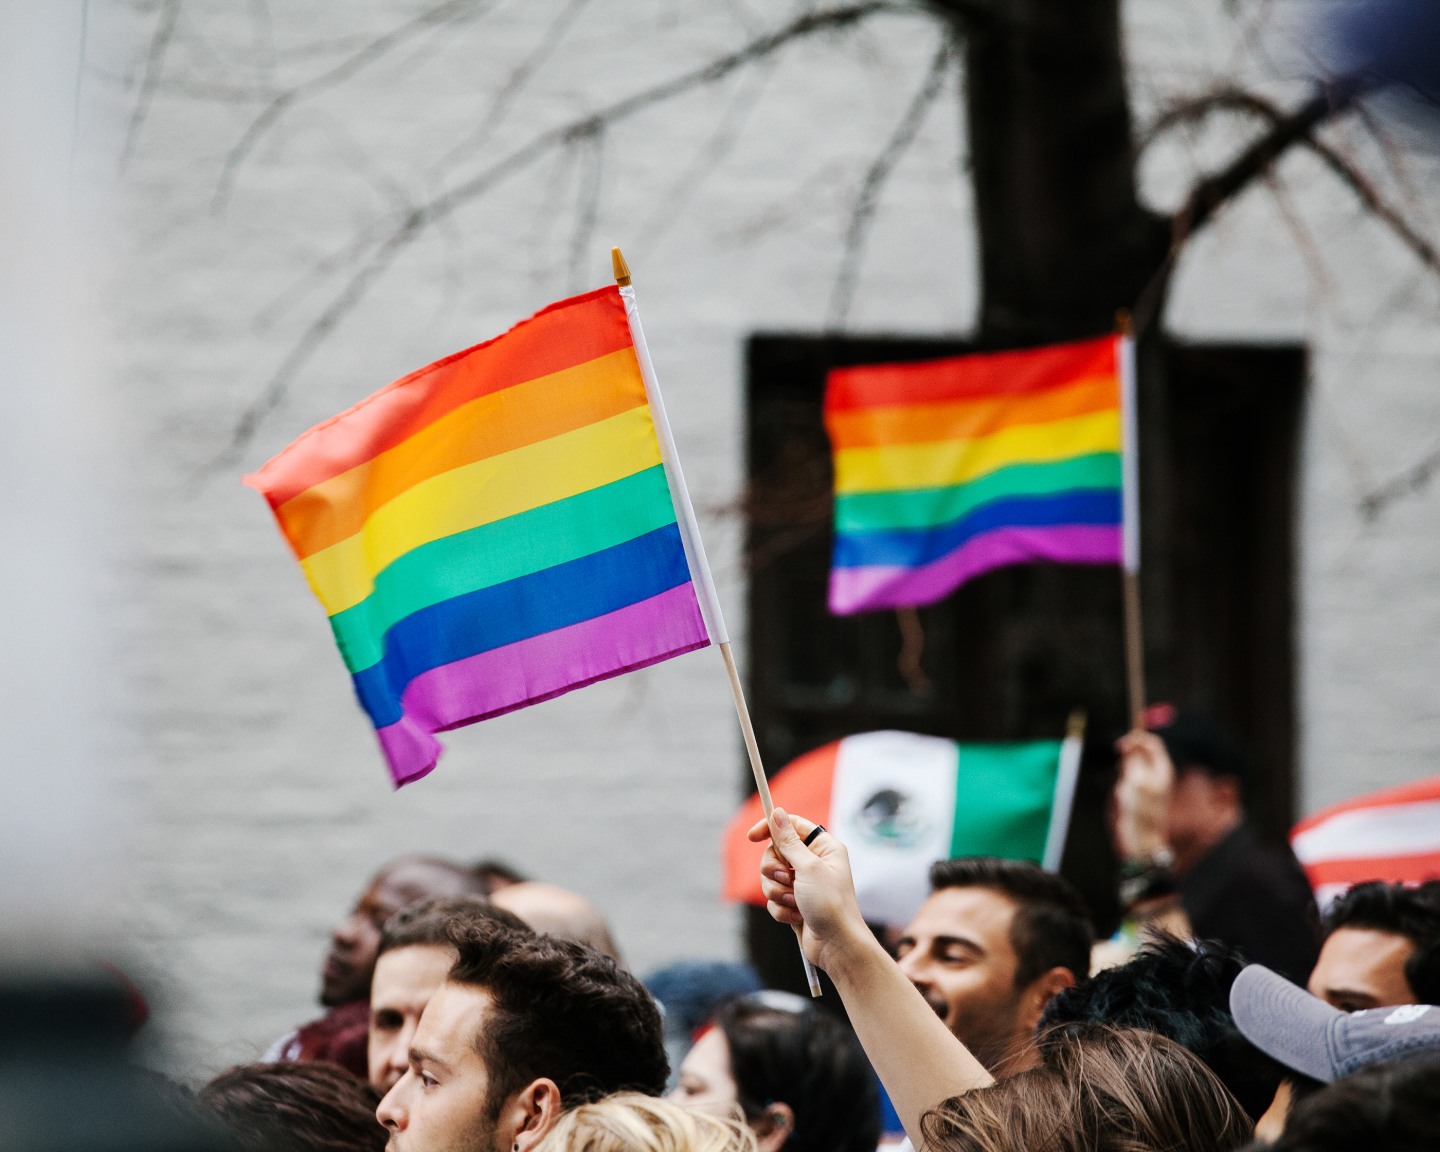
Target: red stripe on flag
{"points": [[1392, 869], [1385, 798], [968, 377], [563, 335], [803, 787]]}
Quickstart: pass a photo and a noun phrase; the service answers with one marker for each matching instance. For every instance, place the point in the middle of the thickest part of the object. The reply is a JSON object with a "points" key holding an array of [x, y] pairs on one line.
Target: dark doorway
{"points": [[1009, 655]]}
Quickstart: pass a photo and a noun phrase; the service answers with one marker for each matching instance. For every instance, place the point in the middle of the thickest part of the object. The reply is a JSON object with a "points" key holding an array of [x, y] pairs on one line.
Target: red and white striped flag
{"points": [[1392, 835]]}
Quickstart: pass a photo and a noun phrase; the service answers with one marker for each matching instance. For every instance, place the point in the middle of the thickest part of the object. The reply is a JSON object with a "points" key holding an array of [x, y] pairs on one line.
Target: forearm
{"points": [[918, 1059]]}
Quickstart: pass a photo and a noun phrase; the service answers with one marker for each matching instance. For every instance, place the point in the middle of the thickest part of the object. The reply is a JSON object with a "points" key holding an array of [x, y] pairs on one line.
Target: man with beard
{"points": [[525, 1027], [993, 943], [341, 1035]]}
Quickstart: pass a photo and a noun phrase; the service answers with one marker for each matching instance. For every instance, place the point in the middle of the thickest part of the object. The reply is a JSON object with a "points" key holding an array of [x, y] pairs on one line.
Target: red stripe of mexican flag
{"points": [[901, 801]]}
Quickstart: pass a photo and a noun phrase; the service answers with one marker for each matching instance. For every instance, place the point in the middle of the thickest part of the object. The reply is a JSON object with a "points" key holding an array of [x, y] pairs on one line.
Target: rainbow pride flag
{"points": [[493, 530], [947, 469]]}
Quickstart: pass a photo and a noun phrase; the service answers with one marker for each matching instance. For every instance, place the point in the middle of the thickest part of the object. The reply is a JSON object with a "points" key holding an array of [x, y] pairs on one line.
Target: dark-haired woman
{"points": [[797, 1075]]}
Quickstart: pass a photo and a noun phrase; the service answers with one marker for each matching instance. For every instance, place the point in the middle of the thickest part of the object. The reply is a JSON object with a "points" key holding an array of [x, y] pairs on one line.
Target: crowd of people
{"points": [[468, 1009]]}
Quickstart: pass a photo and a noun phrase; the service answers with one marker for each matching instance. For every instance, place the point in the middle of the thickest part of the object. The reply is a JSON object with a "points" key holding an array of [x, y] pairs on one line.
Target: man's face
{"points": [[1202, 810], [1363, 968], [442, 1102], [957, 952], [405, 979], [346, 973]]}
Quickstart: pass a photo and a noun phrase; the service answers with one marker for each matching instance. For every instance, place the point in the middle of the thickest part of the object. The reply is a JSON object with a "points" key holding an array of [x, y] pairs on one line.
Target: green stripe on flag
{"points": [[507, 549], [933, 507], [1003, 797]]}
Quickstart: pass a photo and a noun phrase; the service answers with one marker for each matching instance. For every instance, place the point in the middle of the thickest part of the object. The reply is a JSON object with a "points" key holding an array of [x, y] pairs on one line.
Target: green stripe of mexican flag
{"points": [[901, 801]]}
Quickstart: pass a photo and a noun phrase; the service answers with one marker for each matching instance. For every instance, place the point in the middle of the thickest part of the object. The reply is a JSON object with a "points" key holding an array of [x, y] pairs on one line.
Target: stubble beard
{"points": [[991, 1035]]}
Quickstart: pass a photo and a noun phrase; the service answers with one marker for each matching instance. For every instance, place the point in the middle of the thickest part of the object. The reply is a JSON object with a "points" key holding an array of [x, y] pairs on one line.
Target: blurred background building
{"points": [[309, 200]]}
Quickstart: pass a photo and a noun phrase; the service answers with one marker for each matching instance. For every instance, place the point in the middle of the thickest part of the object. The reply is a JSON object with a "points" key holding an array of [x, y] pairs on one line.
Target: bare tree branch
{"points": [[1210, 194], [1396, 161], [1365, 190], [423, 215], [677, 197], [1304, 238], [1198, 108], [525, 71], [1207, 197], [862, 215], [315, 333], [154, 68], [1412, 480], [1237, 100], [357, 62], [588, 213]]}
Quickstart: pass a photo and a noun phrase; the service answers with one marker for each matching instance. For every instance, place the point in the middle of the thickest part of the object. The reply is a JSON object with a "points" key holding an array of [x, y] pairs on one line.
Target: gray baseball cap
{"points": [[1306, 1034]]}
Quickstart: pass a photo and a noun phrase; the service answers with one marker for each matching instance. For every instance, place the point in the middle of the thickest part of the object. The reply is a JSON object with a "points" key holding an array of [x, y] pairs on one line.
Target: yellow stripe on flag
{"points": [[497, 422], [952, 462], [482, 493]]}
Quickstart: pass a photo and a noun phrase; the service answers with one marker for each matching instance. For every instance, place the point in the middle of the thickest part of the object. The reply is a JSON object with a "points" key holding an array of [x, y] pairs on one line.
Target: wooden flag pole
{"points": [[1134, 650], [1130, 567], [695, 553]]}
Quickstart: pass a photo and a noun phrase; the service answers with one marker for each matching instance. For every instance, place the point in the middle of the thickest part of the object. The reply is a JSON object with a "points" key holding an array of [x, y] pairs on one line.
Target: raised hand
{"points": [[1143, 795], [810, 887]]}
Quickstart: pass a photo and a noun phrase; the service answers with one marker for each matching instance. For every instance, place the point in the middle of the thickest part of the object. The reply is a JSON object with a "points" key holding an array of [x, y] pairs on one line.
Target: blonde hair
{"points": [[1101, 1089], [629, 1122]]}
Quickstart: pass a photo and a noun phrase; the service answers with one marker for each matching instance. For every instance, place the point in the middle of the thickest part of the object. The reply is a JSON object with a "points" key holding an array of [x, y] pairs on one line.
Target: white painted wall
{"points": [[264, 803]]}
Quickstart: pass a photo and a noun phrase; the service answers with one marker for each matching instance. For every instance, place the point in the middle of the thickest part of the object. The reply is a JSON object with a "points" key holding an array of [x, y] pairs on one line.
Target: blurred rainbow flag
{"points": [[493, 530], [947, 469]]}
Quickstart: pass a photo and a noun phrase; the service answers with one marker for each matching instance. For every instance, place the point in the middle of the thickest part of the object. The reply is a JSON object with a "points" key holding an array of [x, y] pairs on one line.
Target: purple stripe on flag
{"points": [[869, 588], [410, 750], [537, 669]]}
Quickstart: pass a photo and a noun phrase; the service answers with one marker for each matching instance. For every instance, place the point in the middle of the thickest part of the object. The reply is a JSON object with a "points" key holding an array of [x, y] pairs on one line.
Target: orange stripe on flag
{"points": [[974, 376], [967, 419], [802, 787], [500, 422], [561, 336], [1392, 869]]}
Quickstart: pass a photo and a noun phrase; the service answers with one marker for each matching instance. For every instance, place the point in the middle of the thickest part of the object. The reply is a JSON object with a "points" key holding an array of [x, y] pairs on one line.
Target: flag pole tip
{"points": [[1075, 724], [622, 270], [1122, 320]]}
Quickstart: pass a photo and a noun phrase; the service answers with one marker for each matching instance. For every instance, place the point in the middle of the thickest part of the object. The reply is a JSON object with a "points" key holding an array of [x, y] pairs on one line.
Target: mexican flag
{"points": [[901, 801]]}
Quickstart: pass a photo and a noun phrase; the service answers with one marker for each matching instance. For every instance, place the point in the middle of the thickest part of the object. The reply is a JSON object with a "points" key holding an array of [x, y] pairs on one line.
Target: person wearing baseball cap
{"points": [[1306, 1034], [1323, 1044]]}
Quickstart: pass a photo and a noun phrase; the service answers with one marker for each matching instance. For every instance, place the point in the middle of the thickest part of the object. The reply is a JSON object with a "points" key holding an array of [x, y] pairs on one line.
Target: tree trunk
{"points": [[1063, 240]]}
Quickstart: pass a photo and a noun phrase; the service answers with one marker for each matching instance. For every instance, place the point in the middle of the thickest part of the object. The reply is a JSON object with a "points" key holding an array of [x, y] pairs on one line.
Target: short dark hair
{"points": [[428, 921], [296, 1108], [494, 873], [560, 1010], [1194, 740], [1392, 1107], [1405, 910], [809, 1060], [1181, 991], [1051, 928]]}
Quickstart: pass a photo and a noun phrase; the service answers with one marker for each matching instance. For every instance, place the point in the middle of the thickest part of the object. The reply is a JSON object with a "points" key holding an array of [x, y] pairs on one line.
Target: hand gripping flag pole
{"points": [[695, 550]]}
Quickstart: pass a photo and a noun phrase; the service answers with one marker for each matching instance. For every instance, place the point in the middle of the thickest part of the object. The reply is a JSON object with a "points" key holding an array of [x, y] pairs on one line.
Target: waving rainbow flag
{"points": [[947, 469], [492, 530]]}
